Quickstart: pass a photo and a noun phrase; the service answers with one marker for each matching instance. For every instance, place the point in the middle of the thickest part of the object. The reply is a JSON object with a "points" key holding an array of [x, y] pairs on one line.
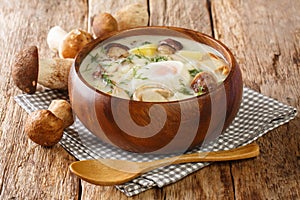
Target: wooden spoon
{"points": [[114, 172]]}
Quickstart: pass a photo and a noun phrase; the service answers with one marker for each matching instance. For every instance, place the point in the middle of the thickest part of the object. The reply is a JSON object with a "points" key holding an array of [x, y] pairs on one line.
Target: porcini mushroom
{"points": [[116, 50], [25, 72], [28, 70], [104, 23], [45, 127], [204, 82], [67, 44], [169, 46]]}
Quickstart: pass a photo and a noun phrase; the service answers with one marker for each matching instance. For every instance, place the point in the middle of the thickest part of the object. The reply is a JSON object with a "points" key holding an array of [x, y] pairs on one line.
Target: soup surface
{"points": [[154, 68]]}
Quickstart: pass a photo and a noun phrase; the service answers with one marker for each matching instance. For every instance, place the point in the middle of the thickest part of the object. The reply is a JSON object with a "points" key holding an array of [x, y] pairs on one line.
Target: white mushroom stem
{"points": [[54, 73], [55, 36], [67, 44]]}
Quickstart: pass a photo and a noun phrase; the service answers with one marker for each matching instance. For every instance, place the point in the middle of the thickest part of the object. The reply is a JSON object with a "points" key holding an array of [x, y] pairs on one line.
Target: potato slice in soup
{"points": [[145, 50]]}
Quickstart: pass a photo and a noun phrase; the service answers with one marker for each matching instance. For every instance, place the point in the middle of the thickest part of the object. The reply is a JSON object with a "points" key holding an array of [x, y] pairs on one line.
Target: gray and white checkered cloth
{"points": [[258, 114]]}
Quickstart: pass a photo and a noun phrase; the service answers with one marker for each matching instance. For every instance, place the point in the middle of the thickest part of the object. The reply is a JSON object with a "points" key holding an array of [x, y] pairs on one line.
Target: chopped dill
{"points": [[200, 90], [136, 75], [95, 58], [184, 89], [146, 42], [128, 59], [153, 59], [158, 59], [140, 77], [87, 68], [194, 72], [107, 80]]}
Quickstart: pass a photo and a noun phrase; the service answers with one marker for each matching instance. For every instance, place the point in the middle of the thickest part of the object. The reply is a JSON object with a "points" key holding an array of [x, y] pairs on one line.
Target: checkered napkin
{"points": [[258, 114]]}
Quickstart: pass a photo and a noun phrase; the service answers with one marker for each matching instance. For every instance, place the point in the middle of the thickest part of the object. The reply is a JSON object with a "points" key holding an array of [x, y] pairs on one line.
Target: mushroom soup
{"points": [[156, 68]]}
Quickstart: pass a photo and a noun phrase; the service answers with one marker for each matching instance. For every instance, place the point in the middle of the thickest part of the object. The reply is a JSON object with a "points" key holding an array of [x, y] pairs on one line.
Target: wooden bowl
{"points": [[157, 127]]}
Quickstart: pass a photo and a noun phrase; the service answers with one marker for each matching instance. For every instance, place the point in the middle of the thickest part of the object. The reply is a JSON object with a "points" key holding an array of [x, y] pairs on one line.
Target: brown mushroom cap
{"points": [[169, 46], [25, 69], [204, 82], [73, 43], [116, 50], [104, 23], [44, 128]]}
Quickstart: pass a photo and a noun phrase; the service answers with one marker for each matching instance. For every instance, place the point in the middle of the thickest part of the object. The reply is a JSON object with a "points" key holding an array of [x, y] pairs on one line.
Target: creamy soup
{"points": [[154, 68]]}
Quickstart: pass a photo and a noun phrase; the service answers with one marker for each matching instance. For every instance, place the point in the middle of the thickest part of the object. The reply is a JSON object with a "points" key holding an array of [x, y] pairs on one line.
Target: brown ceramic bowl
{"points": [[157, 127]]}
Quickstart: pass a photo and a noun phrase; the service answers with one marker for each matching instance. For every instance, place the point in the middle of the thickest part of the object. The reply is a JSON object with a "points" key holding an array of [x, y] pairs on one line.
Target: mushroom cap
{"points": [[116, 50], [63, 110], [204, 82], [25, 69], [44, 128], [151, 93], [131, 16], [104, 23], [172, 43], [73, 43]]}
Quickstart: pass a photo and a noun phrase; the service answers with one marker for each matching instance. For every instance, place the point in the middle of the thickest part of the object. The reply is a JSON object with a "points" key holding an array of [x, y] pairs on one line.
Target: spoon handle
{"points": [[244, 152]]}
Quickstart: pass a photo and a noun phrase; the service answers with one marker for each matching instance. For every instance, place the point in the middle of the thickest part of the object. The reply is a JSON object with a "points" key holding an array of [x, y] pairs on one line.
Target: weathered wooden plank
{"points": [[109, 6], [28, 171], [264, 36], [212, 182], [265, 39], [192, 14]]}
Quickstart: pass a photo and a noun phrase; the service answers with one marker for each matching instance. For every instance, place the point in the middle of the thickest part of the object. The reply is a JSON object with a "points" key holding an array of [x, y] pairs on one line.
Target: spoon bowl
{"points": [[114, 172]]}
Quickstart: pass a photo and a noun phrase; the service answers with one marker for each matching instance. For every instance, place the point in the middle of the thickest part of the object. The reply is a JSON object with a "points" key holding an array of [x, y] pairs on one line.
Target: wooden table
{"points": [[264, 35]]}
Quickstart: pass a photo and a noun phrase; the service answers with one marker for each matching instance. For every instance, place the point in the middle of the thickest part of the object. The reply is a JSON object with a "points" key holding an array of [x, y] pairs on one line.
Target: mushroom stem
{"points": [[55, 36], [54, 73]]}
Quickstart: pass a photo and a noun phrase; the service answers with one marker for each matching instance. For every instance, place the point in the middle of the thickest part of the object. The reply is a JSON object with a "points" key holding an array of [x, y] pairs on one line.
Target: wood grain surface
{"points": [[264, 35]]}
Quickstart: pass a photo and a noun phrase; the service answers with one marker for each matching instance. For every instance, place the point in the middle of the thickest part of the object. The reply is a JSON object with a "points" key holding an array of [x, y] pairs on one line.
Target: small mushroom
{"points": [[67, 44], [204, 82], [28, 70], [104, 23], [132, 16], [169, 46], [116, 50], [45, 127], [152, 93]]}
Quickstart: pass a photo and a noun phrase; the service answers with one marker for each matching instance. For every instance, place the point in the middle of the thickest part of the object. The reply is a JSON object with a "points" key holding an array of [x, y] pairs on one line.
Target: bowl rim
{"points": [[90, 46]]}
